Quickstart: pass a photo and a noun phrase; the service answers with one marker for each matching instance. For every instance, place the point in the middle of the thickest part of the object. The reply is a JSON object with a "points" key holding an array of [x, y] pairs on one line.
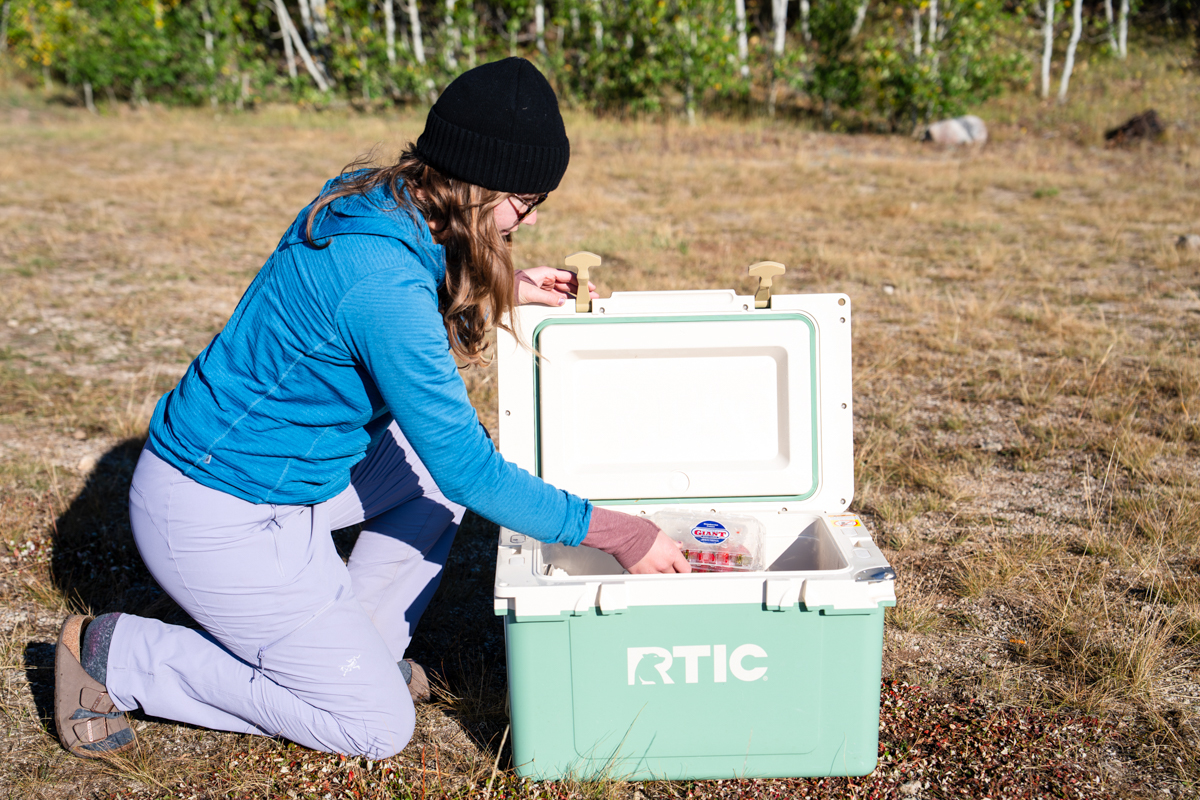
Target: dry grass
{"points": [[1027, 403]]}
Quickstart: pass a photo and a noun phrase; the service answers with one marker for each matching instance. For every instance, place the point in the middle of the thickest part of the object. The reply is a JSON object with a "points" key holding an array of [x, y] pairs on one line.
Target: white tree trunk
{"points": [[1123, 30], [286, 30], [743, 48], [1047, 47], [779, 21], [88, 100], [414, 29], [389, 31], [289, 31], [860, 16], [453, 41], [916, 28], [689, 99], [4, 27], [805, 9], [1109, 27], [320, 20], [933, 23], [306, 19], [539, 25], [1076, 31], [779, 17], [598, 24], [209, 60], [473, 31]]}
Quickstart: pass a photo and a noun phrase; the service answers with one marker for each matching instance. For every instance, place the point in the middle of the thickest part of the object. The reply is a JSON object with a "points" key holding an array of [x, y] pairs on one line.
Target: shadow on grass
{"points": [[95, 564], [39, 672]]}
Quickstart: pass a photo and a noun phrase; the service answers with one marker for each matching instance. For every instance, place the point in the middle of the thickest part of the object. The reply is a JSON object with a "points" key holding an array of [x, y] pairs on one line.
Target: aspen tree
{"points": [[860, 16], [288, 53], [414, 29], [306, 19], [209, 59], [389, 31], [1047, 46], [1123, 30], [539, 25], [4, 26], [453, 39], [292, 36], [1076, 31], [743, 48], [779, 18], [320, 20], [1109, 27], [598, 24], [916, 29]]}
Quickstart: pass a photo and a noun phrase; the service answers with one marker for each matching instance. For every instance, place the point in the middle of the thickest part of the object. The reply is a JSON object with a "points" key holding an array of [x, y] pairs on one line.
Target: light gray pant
{"points": [[295, 642]]}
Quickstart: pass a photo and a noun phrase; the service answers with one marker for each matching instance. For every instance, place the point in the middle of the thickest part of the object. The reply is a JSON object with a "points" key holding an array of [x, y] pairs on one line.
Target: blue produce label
{"points": [[709, 532]]}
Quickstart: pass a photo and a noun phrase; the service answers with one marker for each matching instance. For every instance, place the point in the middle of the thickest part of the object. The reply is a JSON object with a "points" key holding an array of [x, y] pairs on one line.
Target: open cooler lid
{"points": [[684, 397]]}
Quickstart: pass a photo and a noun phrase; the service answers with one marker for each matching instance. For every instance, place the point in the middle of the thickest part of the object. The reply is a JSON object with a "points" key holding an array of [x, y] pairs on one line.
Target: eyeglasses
{"points": [[529, 203]]}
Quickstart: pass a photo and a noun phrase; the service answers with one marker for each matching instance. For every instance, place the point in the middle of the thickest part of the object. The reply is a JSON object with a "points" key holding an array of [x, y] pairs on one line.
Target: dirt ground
{"points": [[1027, 423]]}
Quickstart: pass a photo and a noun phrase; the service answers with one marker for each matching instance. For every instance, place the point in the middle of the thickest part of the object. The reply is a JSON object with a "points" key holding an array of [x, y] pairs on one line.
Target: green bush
{"points": [[967, 64]]}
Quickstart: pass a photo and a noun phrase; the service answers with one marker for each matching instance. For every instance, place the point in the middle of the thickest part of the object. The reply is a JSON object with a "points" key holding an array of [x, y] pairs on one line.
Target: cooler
{"points": [[713, 403]]}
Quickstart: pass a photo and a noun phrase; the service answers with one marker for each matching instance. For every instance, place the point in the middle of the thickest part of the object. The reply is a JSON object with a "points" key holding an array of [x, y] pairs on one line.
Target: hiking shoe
{"points": [[417, 680], [89, 725]]}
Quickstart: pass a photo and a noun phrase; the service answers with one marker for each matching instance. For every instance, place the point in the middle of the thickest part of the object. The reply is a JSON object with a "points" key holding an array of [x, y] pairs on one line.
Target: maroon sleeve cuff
{"points": [[623, 536]]}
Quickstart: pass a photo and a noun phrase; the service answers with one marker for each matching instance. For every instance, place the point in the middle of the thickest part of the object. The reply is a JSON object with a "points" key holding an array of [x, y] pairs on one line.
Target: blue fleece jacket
{"points": [[323, 349]]}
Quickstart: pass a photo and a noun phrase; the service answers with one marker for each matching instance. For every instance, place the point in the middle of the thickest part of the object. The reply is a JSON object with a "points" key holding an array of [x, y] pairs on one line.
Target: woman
{"points": [[332, 398]]}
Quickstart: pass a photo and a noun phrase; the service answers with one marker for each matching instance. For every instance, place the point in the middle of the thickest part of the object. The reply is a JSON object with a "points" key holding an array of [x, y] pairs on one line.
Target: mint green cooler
{"points": [[712, 403]]}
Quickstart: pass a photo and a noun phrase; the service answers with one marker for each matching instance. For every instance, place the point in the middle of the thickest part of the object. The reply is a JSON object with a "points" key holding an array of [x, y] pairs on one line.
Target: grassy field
{"points": [[1027, 378]]}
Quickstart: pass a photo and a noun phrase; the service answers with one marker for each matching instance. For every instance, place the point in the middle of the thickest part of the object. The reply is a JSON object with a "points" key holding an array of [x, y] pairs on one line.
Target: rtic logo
{"points": [[653, 664]]}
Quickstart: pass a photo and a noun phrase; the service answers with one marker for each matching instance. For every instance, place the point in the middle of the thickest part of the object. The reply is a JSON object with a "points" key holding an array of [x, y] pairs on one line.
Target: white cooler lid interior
{"points": [[679, 408]]}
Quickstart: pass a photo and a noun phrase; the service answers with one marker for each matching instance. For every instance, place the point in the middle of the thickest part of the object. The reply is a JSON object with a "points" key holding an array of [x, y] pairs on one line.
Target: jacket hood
{"points": [[374, 213]]}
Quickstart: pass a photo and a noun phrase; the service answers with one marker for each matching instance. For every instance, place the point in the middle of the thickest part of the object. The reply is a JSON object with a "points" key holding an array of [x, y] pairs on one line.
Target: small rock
{"points": [[960, 130], [33, 331], [12, 323], [79, 435], [889, 289], [1190, 241], [1144, 127], [991, 447], [911, 788], [86, 464]]}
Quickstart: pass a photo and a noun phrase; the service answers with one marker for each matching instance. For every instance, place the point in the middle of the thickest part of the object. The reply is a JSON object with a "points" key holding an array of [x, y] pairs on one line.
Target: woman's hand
{"points": [[546, 286], [664, 556]]}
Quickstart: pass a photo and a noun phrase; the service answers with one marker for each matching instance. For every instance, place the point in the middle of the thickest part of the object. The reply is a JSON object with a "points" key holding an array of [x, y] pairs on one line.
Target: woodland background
{"points": [[886, 65]]}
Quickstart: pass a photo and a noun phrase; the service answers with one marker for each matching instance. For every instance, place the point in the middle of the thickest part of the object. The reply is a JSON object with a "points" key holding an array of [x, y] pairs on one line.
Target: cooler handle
{"points": [[582, 262], [765, 271]]}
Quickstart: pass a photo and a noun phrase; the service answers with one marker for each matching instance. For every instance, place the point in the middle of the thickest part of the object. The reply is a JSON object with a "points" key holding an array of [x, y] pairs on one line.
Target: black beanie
{"points": [[498, 126]]}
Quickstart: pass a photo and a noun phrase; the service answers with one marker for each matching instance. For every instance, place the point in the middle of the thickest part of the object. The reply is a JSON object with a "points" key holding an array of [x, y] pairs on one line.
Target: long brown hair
{"points": [[478, 292]]}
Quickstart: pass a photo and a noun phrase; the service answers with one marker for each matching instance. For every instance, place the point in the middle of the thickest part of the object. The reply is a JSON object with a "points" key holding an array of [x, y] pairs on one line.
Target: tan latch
{"points": [[765, 271], [580, 263]]}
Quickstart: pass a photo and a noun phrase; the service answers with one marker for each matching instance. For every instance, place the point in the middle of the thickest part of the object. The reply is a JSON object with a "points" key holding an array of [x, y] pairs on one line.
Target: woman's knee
{"points": [[386, 732]]}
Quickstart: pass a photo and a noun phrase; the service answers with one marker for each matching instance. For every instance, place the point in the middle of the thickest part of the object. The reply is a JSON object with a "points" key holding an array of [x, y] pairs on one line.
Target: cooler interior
{"points": [[792, 543]]}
